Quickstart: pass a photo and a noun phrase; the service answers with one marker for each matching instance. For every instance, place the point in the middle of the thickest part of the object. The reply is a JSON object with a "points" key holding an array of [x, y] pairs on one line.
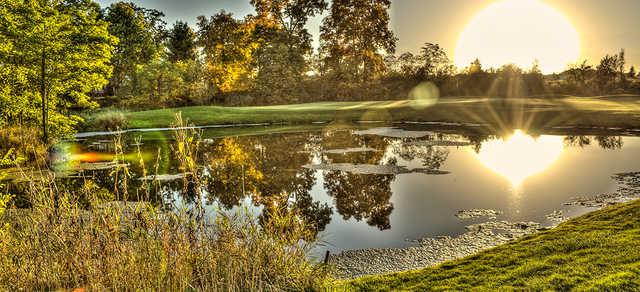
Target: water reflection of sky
{"points": [[548, 173], [525, 177]]}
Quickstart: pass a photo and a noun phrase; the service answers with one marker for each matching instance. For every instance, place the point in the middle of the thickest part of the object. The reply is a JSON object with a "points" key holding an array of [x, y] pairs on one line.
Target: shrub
{"points": [[109, 120], [21, 143]]}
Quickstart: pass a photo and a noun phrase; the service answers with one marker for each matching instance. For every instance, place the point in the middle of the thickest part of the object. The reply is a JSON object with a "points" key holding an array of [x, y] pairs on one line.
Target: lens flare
{"points": [[424, 95]]}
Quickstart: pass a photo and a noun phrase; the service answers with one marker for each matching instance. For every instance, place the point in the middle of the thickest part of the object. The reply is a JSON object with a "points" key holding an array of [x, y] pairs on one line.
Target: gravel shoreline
{"points": [[430, 251]]}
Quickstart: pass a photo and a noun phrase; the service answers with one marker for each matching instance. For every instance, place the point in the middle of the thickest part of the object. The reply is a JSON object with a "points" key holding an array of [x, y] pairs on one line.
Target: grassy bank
{"points": [[597, 251], [611, 111]]}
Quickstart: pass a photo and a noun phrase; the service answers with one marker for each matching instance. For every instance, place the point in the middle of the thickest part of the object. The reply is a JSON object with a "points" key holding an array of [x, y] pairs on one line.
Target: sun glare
{"points": [[519, 32], [520, 156]]}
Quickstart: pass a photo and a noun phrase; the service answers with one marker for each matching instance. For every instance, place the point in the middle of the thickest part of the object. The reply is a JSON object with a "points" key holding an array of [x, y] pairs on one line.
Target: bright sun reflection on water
{"points": [[520, 156]]}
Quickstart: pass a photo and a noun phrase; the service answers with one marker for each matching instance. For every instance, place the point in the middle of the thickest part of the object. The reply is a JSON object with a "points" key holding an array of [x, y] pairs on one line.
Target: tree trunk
{"points": [[43, 94]]}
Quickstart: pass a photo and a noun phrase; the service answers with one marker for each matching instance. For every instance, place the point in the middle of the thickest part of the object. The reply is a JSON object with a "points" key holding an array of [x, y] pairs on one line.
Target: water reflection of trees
{"points": [[233, 173], [605, 142], [362, 197], [269, 169], [359, 196]]}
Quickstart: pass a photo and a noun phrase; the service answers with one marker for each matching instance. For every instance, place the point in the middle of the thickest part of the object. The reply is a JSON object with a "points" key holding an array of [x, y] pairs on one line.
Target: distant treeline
{"points": [[61, 56]]}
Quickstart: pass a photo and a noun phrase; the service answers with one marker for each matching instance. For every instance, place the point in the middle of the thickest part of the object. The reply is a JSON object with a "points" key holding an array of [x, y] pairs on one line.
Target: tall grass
{"points": [[63, 243]]}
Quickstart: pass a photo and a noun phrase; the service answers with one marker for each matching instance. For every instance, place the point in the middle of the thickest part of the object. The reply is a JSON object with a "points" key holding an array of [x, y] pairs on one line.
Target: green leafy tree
{"points": [[284, 45], [181, 43], [228, 48], [354, 37], [53, 54], [141, 33]]}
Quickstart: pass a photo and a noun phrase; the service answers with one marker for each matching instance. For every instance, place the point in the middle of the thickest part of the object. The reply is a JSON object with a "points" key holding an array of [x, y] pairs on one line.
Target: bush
{"points": [[109, 120], [22, 142]]}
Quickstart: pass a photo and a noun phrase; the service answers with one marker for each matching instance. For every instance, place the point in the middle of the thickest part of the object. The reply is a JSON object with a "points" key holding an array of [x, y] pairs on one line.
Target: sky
{"points": [[604, 26]]}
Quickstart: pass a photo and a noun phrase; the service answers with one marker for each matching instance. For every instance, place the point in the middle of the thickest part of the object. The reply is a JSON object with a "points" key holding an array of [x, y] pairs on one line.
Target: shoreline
{"points": [[431, 252]]}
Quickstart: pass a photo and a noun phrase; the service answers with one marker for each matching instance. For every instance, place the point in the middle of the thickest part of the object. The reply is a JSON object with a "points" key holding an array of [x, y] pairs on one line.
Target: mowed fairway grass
{"points": [[599, 251], [610, 111]]}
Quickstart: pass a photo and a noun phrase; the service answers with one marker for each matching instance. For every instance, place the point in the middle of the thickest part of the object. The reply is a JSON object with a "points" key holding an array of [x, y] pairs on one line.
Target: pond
{"points": [[378, 186]]}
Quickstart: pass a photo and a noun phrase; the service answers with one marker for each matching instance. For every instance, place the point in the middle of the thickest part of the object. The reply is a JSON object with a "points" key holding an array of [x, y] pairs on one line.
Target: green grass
{"points": [[598, 251], [614, 111]]}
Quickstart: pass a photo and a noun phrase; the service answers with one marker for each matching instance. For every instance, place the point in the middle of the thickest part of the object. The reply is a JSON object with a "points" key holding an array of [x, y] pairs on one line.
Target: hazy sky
{"points": [[604, 26]]}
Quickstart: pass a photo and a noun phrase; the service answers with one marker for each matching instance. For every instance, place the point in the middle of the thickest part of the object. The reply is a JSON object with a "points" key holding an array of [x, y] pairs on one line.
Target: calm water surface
{"points": [[374, 187]]}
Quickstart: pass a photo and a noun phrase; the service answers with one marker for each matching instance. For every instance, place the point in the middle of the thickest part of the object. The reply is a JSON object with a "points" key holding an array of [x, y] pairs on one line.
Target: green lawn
{"points": [[598, 251], [616, 111]]}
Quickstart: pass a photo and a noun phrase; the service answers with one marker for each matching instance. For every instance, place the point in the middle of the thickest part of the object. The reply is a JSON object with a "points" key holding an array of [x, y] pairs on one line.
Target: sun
{"points": [[519, 32]]}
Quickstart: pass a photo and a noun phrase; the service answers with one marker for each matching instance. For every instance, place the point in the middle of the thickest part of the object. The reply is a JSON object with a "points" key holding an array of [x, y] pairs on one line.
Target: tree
{"points": [[606, 73], [579, 73], [354, 36], [165, 83], [53, 54], [622, 76], [141, 33], [534, 80], [632, 72], [475, 67], [228, 48], [284, 44], [436, 65], [476, 81], [181, 43]]}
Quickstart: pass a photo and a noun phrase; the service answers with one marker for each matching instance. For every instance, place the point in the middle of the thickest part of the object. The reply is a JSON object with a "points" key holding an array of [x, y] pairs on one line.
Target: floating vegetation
{"points": [[628, 189], [373, 169], [346, 150], [478, 213], [556, 217], [394, 133], [164, 177], [443, 143]]}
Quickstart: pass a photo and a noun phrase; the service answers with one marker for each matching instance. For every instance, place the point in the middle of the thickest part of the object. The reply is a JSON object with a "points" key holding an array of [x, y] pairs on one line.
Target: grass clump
{"points": [[597, 251], [109, 120], [70, 238]]}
